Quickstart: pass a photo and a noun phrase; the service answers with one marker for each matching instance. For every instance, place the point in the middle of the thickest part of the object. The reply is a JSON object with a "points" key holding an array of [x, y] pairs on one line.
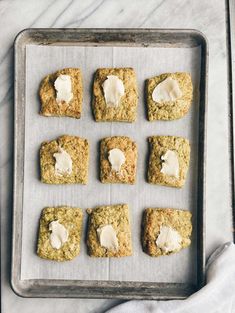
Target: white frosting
{"points": [[107, 237], [113, 90], [59, 234], [170, 166], [63, 86], [116, 158], [64, 163], [167, 90], [169, 239]]}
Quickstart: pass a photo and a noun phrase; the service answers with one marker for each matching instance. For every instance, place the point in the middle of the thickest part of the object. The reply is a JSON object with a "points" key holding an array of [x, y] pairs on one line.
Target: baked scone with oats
{"points": [[61, 93], [168, 161], [169, 96], [165, 231], [115, 95], [60, 232], [118, 160], [64, 160], [109, 231]]}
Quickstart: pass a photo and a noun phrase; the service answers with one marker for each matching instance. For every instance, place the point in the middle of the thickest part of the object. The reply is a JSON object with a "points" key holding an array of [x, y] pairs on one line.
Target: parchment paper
{"points": [[148, 62]]}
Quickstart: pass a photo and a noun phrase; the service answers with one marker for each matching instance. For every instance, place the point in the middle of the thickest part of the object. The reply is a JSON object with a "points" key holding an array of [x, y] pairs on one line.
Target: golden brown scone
{"points": [[71, 219], [78, 150], [159, 145], [126, 111], [118, 217], [169, 110], [47, 93], [127, 174], [154, 219]]}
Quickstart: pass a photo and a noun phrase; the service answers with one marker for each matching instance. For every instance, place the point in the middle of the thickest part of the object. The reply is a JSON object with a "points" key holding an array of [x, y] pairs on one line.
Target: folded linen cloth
{"points": [[217, 296]]}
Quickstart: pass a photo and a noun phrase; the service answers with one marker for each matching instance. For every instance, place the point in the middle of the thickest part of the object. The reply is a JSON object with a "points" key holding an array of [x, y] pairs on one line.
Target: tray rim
{"points": [[102, 289]]}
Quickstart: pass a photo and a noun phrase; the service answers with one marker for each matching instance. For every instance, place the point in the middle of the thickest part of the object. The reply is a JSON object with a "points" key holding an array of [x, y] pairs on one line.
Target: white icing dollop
{"points": [[116, 158], [107, 237], [63, 86], [64, 163], [169, 239], [113, 90], [59, 234], [167, 90], [170, 164]]}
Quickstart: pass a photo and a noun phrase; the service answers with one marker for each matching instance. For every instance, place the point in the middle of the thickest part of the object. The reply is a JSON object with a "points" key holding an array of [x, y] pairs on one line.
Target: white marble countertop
{"points": [[206, 16]]}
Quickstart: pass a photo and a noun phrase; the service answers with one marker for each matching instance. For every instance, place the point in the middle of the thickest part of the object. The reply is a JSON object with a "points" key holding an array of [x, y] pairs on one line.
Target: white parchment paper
{"points": [[147, 62]]}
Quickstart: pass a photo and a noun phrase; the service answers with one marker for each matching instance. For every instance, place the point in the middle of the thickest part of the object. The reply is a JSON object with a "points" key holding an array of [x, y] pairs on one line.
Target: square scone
{"points": [[60, 232], [168, 161], [64, 160], [169, 96], [115, 95], [61, 93], [165, 231], [118, 160], [109, 231]]}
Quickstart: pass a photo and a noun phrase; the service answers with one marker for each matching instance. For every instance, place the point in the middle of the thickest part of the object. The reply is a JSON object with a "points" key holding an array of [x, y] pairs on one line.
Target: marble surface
{"points": [[206, 16]]}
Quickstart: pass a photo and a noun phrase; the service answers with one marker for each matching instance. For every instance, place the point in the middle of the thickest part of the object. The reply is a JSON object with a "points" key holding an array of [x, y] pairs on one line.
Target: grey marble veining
{"points": [[206, 16]]}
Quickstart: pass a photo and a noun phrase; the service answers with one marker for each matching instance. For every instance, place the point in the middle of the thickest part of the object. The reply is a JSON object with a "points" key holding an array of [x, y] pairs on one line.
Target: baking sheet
{"points": [[147, 62]]}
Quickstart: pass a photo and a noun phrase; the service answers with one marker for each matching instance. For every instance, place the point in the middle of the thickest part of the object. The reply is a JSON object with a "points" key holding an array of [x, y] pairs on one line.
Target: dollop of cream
{"points": [[63, 86], [107, 237], [167, 90], [169, 239], [170, 164], [59, 234], [116, 158], [64, 163], [113, 90]]}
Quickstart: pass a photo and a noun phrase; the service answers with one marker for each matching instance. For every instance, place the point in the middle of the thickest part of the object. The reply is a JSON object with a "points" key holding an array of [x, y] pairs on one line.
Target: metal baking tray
{"points": [[68, 288]]}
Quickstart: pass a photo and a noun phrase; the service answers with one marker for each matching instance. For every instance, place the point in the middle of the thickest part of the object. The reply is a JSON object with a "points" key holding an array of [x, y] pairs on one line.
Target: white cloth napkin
{"points": [[217, 296]]}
